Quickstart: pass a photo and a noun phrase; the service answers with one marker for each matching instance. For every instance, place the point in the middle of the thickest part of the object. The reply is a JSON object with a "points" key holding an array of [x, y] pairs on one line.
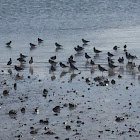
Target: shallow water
{"points": [[105, 24]]}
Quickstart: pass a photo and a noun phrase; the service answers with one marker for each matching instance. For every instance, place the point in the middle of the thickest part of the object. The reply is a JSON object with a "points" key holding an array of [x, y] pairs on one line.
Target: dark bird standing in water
{"points": [[96, 51], [40, 40], [73, 67], [9, 62], [87, 56], [58, 45], [102, 69], [17, 68], [63, 65], [31, 61], [110, 54], [53, 57], [115, 48], [78, 48], [32, 45], [121, 60], [112, 66], [21, 60], [22, 56], [85, 42], [92, 62], [9, 43]]}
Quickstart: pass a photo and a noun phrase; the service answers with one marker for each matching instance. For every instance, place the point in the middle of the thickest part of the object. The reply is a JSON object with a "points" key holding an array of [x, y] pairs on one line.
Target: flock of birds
{"points": [[71, 60]]}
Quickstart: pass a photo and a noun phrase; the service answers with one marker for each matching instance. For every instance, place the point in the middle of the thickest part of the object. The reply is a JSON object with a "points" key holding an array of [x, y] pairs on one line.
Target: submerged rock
{"points": [[56, 109], [5, 93]]}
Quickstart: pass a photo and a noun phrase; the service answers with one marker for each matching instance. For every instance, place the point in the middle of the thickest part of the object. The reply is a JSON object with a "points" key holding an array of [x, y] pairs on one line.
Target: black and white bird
{"points": [[58, 45], [40, 40], [110, 54], [53, 57], [78, 48], [52, 62], [31, 61], [87, 56], [9, 43], [22, 56], [92, 62], [21, 60], [73, 67], [112, 66], [115, 48], [121, 60], [85, 42], [96, 51], [9, 62], [63, 65], [18, 68], [102, 69], [32, 45]]}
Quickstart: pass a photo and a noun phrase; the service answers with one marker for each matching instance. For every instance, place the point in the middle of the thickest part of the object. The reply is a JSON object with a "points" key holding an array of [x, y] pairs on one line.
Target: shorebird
{"points": [[102, 69], [53, 57], [40, 40], [121, 60], [78, 48], [85, 42], [73, 67], [96, 51], [125, 48], [70, 59], [115, 48], [21, 60], [22, 56], [52, 62], [31, 61], [110, 54], [17, 68], [129, 56], [32, 45], [112, 66], [58, 45], [87, 56], [9, 43], [92, 62], [9, 62], [110, 60], [63, 65]]}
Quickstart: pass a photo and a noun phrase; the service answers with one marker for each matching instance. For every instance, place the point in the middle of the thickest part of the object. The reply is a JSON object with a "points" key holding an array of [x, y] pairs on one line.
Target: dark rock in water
{"points": [[13, 112], [5, 92], [67, 139], [23, 110], [56, 109], [113, 81], [119, 119], [56, 137], [34, 131], [87, 80], [72, 106], [49, 133], [119, 76], [98, 78], [68, 127], [44, 122]]}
